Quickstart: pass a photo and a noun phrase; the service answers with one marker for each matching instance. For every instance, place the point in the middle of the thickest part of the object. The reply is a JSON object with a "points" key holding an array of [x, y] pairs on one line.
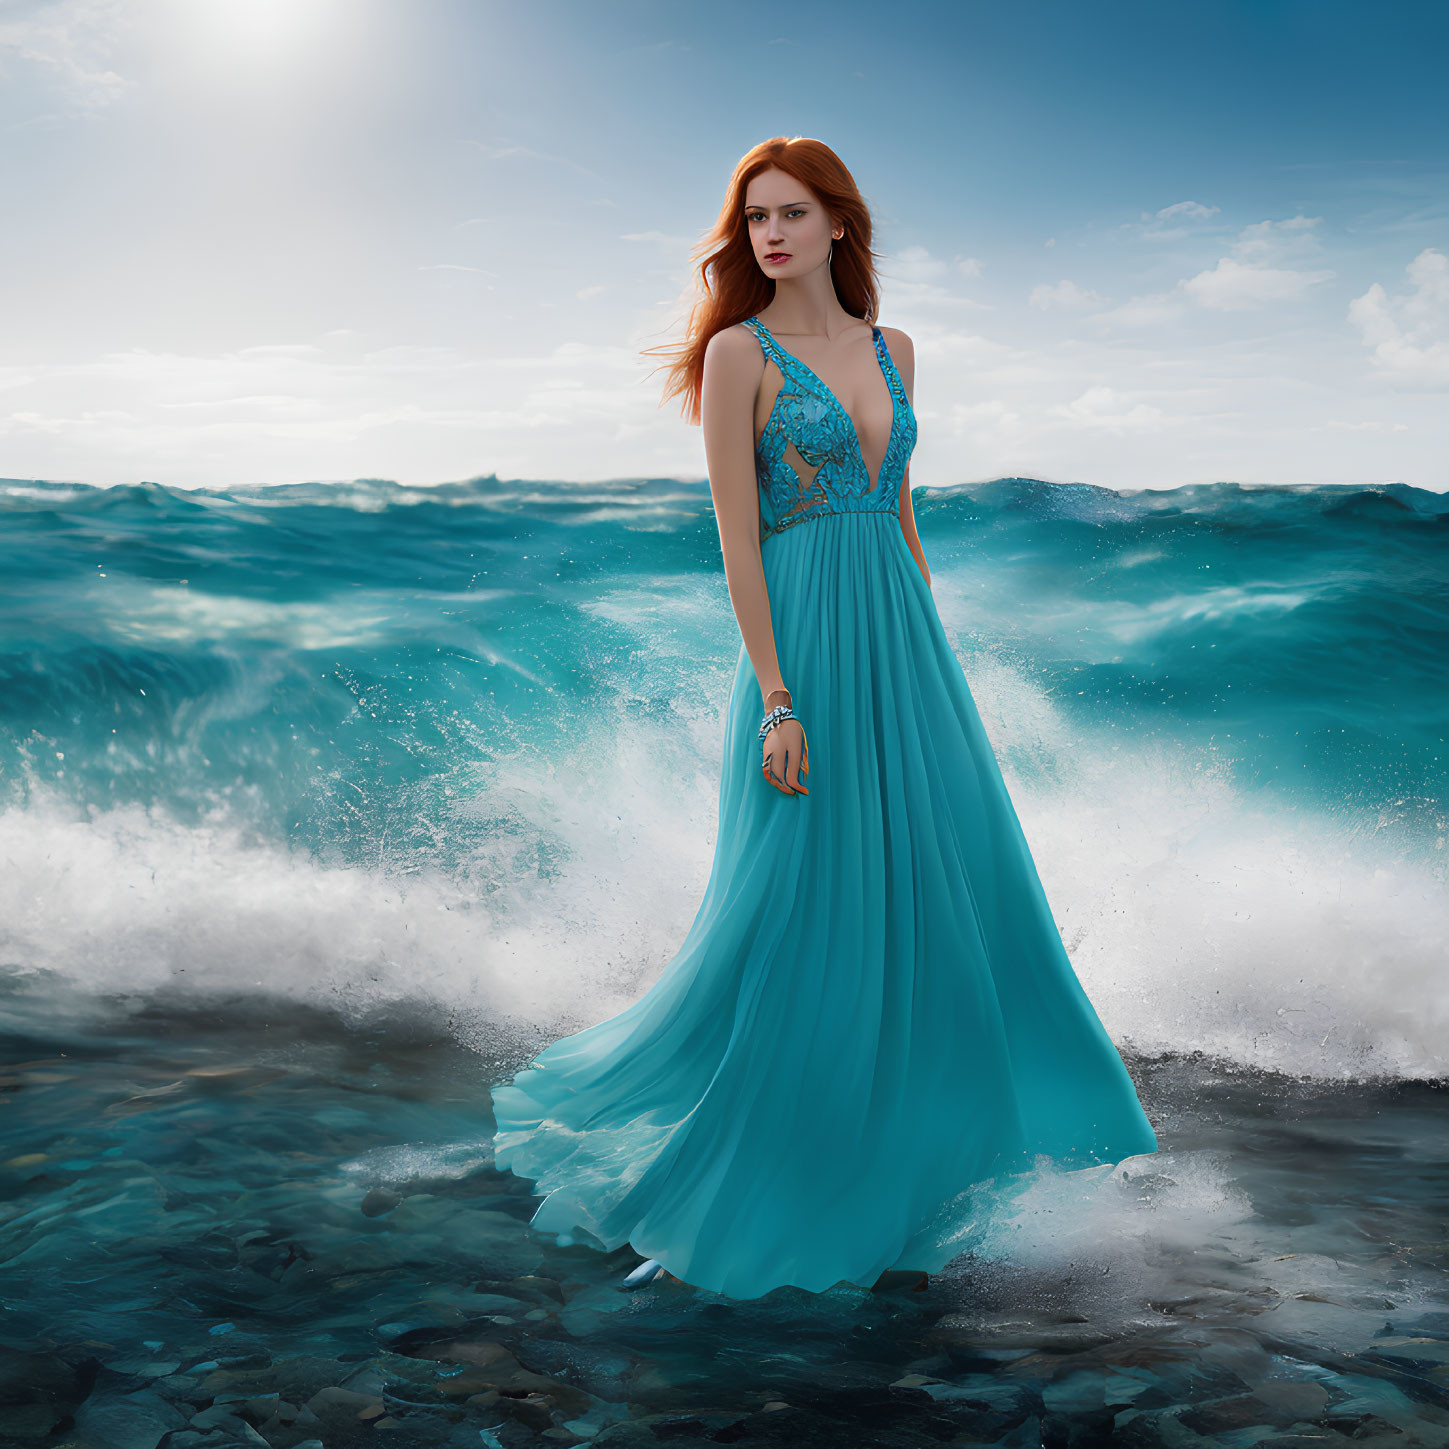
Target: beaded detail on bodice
{"points": [[809, 416]]}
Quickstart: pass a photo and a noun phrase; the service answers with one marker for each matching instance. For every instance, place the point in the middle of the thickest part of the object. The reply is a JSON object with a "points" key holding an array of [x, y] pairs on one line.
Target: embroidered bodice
{"points": [[809, 416]]}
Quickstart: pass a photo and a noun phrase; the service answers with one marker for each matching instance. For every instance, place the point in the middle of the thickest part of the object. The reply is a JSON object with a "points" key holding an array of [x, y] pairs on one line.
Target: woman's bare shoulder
{"points": [[731, 342], [899, 342], [734, 355]]}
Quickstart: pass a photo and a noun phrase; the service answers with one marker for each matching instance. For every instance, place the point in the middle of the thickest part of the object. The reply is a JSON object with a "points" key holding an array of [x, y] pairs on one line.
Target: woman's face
{"points": [[789, 229]]}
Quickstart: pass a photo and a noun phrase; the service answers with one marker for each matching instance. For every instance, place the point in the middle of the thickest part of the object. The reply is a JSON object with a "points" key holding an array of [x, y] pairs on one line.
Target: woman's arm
{"points": [[903, 354], [733, 366], [908, 527]]}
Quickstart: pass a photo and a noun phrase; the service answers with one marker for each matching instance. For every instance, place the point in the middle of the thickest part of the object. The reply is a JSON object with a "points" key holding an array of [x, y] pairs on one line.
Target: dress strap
{"points": [[771, 348], [797, 374], [791, 366], [888, 366]]}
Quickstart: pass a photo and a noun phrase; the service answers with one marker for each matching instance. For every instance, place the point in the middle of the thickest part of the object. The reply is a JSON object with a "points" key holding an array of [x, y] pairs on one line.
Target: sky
{"points": [[1135, 244]]}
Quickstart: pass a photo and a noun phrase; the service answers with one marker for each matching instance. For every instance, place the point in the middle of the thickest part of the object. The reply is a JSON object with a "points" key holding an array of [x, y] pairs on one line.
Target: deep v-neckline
{"points": [[877, 342]]}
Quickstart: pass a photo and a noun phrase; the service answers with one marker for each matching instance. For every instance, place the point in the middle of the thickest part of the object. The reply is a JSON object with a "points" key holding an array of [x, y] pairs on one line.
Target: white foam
{"points": [[1198, 919]]}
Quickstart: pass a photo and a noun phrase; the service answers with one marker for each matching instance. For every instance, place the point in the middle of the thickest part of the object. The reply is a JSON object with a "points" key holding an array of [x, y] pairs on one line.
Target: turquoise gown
{"points": [[872, 1018]]}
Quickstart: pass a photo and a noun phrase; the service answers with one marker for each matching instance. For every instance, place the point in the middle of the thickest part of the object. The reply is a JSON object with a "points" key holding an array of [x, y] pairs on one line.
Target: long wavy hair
{"points": [[729, 283]]}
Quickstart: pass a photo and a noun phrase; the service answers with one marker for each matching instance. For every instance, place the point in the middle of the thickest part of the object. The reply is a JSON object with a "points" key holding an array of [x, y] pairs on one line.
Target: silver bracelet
{"points": [[780, 711]]}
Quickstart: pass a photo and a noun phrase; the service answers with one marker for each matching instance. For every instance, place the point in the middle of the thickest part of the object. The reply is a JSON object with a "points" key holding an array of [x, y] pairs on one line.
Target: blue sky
{"points": [[1137, 245]]}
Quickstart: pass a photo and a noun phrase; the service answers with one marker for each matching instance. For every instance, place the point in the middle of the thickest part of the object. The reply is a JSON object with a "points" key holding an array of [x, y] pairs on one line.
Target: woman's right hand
{"points": [[786, 755]]}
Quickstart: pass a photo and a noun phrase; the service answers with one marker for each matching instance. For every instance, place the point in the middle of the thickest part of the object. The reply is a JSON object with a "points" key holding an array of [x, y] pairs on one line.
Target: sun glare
{"points": [[247, 32]]}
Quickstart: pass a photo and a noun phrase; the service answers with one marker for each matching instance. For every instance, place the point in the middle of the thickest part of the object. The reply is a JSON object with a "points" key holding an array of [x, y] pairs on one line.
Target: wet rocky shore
{"points": [[222, 1230]]}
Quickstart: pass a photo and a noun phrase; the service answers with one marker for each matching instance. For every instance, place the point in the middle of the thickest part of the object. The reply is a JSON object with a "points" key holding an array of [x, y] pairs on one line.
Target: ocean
{"points": [[324, 806]]}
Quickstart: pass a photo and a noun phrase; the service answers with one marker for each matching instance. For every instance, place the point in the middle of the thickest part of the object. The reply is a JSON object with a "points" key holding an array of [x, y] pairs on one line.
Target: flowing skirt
{"points": [[872, 1013]]}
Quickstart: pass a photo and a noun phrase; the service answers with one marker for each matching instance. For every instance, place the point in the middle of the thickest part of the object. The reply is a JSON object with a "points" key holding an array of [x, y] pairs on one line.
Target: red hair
{"points": [[740, 288]]}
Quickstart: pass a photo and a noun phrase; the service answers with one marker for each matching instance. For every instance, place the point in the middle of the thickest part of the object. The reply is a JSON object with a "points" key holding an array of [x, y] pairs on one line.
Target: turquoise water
{"points": [[322, 806]]}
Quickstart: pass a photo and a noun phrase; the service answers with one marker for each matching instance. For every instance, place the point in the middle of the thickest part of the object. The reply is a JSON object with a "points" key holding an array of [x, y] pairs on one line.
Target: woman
{"points": [[872, 1016]]}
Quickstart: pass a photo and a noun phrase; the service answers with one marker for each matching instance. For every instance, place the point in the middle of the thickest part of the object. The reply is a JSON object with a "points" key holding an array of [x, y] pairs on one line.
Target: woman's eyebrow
{"points": [[755, 206]]}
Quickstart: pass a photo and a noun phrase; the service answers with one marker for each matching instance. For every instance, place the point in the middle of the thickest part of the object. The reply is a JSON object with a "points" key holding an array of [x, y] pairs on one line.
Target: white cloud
{"points": [[1066, 295], [1254, 274], [918, 280], [1234, 286], [917, 264], [1251, 276], [1265, 242], [989, 413], [280, 412], [1170, 222], [1147, 311], [1103, 407], [1408, 333], [1193, 210], [67, 43]]}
